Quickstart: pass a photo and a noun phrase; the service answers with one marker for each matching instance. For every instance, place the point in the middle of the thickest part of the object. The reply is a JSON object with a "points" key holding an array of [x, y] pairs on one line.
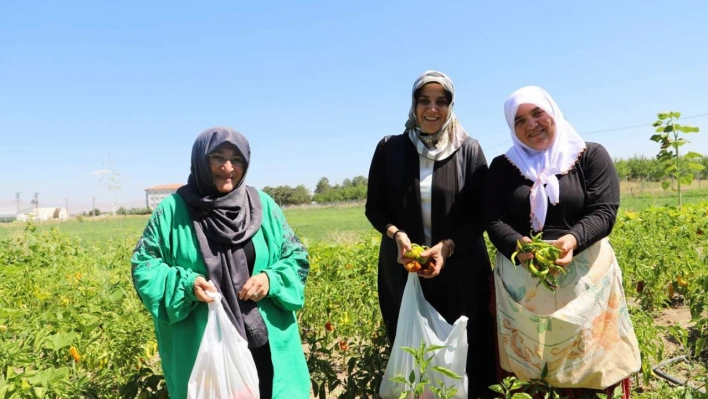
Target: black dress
{"points": [[462, 288]]}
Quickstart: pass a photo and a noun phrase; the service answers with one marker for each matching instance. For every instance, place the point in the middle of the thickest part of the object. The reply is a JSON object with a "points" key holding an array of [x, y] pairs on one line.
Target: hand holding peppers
{"points": [[567, 244], [542, 262], [416, 262]]}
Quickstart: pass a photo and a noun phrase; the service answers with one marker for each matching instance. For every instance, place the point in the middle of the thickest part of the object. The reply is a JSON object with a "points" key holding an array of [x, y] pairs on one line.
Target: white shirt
{"points": [[426, 191]]}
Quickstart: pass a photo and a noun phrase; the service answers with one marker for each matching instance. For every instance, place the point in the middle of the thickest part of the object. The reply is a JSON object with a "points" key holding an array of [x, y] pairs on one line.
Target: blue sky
{"points": [[314, 85]]}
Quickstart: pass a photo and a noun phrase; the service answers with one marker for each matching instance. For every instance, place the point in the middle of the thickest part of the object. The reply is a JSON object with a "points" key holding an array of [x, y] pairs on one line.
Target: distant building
{"points": [[8, 216], [42, 214], [154, 195]]}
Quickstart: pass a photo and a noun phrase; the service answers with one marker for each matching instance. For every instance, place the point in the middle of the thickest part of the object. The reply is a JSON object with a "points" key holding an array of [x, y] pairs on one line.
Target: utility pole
{"points": [[35, 202], [66, 201], [94, 207], [17, 198]]}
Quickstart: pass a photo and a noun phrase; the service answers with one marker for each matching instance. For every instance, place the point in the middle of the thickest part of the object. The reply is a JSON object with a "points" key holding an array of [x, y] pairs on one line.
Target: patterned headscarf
{"points": [[442, 144], [541, 167]]}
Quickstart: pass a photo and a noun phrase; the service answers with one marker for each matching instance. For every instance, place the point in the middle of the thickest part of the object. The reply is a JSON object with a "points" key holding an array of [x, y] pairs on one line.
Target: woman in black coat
{"points": [[425, 187]]}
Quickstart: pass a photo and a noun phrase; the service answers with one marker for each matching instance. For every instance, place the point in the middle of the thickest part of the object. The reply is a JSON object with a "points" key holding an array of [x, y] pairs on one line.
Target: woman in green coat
{"points": [[217, 234]]}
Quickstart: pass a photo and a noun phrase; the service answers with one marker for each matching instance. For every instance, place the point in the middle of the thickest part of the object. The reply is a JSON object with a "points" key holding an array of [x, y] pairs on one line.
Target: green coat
{"points": [[165, 264]]}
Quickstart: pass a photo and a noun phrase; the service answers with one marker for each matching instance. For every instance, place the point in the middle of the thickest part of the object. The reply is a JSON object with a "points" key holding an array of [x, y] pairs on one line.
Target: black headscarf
{"points": [[224, 223]]}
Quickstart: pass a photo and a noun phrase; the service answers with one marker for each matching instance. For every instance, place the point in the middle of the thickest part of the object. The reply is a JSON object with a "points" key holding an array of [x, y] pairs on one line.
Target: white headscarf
{"points": [[541, 167], [442, 144]]}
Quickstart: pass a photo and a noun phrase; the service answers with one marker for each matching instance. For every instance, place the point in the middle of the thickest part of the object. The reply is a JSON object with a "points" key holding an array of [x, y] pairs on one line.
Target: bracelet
{"points": [[450, 245], [396, 233]]}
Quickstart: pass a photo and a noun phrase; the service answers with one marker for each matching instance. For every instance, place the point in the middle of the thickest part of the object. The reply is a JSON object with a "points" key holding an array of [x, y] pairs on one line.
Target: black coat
{"points": [[462, 288]]}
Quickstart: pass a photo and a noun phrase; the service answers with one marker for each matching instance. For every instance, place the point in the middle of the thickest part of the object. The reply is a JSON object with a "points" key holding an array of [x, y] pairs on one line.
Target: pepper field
{"points": [[71, 325]]}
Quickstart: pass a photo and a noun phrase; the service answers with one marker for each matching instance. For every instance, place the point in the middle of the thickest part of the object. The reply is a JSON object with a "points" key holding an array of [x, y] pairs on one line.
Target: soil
{"points": [[681, 369]]}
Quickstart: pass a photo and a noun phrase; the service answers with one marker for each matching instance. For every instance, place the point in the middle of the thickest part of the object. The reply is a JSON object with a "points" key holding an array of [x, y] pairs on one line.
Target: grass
{"points": [[345, 223], [329, 223], [641, 195], [89, 229], [326, 223]]}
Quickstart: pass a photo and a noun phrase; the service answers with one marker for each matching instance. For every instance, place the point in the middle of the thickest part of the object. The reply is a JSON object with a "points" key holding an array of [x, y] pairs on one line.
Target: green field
{"points": [[643, 200], [335, 224], [329, 223]]}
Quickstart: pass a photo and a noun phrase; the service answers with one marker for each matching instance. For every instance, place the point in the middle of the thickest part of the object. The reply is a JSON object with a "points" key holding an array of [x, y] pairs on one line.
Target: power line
{"points": [[634, 127], [611, 130]]}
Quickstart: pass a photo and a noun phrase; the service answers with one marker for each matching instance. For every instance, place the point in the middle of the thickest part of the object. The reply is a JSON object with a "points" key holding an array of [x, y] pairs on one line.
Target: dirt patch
{"points": [[680, 315]]}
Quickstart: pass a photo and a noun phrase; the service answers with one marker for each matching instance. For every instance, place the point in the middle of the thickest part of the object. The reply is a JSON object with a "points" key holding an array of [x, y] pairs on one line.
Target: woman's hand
{"points": [[438, 254], [524, 257], [200, 288], [256, 288], [403, 243], [568, 243]]}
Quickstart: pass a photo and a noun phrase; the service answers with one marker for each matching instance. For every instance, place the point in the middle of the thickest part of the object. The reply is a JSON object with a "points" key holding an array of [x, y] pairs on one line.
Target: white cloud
{"points": [[99, 172]]}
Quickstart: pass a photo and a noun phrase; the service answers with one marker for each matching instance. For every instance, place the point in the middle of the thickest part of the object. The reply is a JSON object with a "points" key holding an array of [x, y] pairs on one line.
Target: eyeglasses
{"points": [[219, 160]]}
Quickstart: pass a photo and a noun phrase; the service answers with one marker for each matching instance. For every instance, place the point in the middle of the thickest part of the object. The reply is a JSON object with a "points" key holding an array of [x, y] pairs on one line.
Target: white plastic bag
{"points": [[419, 322], [224, 368]]}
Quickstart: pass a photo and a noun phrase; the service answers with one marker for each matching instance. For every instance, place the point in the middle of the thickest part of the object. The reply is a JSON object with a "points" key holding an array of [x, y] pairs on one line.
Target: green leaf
{"points": [[60, 340], [660, 129], [49, 377], [668, 128], [521, 395], [518, 384], [399, 379], [686, 179], [662, 115], [675, 115], [657, 137], [497, 388], [657, 123], [88, 322], [435, 348], [700, 343], [544, 372], [695, 166], [411, 377], [665, 185], [692, 154], [689, 129], [409, 350], [446, 372]]}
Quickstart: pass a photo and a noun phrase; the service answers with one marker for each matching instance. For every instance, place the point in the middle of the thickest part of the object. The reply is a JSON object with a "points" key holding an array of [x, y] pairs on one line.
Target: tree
{"points": [[622, 168], [322, 186], [360, 181], [286, 195], [300, 195], [111, 179], [639, 168], [681, 169]]}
